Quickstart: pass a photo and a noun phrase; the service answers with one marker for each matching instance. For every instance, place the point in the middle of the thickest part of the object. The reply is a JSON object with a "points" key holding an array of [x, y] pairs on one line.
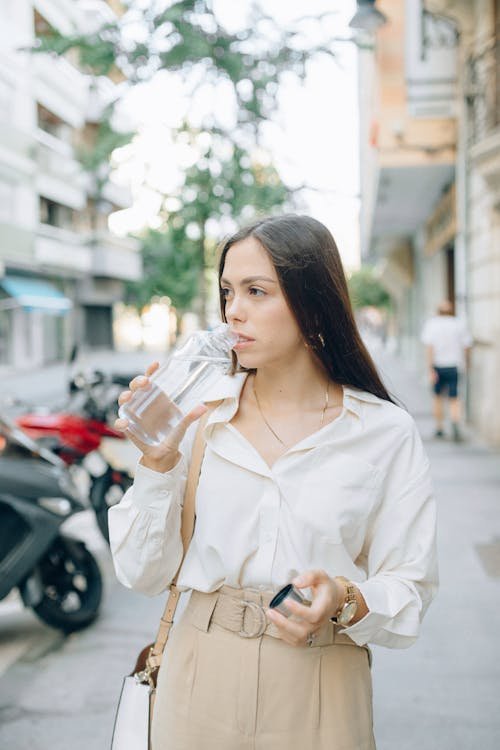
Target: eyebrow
{"points": [[250, 280]]}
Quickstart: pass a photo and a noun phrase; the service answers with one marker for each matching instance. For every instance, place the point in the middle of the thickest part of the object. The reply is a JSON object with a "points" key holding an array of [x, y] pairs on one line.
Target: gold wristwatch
{"points": [[349, 606]]}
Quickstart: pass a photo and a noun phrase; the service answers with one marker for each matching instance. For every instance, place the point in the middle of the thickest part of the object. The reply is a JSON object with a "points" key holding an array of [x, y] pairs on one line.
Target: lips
{"points": [[243, 341], [242, 338]]}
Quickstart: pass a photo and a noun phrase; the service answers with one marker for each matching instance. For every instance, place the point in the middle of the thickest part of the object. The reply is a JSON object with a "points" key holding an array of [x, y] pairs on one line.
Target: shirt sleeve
{"points": [[145, 527], [400, 552]]}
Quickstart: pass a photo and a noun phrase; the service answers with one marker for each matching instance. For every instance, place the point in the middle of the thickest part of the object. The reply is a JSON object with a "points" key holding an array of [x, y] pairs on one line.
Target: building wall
{"points": [[484, 305], [477, 203], [403, 137], [413, 155], [36, 164], [481, 193]]}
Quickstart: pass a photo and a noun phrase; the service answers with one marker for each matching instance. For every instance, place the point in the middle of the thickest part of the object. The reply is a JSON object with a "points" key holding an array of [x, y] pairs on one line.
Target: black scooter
{"points": [[56, 575]]}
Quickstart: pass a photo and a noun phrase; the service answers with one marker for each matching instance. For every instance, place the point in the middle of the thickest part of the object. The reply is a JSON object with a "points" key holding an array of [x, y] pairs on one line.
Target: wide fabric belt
{"points": [[242, 611]]}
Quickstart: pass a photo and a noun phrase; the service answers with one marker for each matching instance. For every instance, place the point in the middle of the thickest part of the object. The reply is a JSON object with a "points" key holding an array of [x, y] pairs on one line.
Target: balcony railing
{"points": [[61, 88], [56, 156], [116, 257], [483, 91], [62, 248], [60, 176]]}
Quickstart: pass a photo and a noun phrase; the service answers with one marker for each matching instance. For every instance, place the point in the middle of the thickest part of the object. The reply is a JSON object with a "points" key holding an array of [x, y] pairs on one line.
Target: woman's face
{"points": [[257, 309]]}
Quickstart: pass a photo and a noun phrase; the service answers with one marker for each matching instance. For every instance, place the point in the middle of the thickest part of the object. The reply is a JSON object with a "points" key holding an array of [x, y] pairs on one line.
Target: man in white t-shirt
{"points": [[447, 343]]}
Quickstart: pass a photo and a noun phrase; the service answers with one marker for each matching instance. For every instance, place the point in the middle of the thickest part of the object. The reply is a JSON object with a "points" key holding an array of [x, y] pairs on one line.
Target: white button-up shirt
{"points": [[448, 337], [354, 499]]}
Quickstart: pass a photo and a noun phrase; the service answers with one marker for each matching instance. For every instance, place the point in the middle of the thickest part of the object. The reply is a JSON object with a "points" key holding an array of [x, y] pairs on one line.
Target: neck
{"points": [[302, 384]]}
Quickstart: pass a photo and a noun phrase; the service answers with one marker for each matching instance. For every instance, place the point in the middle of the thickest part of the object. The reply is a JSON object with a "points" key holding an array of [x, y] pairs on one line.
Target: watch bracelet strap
{"points": [[347, 596], [187, 528]]}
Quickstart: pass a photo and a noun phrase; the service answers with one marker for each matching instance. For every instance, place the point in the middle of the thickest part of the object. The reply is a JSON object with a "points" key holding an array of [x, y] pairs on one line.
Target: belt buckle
{"points": [[262, 621]]}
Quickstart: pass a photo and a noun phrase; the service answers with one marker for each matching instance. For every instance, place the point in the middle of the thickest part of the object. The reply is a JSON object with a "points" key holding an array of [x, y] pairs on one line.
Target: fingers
{"points": [[141, 381], [318, 612], [196, 413], [294, 633], [124, 397], [121, 424], [171, 444], [305, 613], [179, 431], [310, 578], [152, 368], [324, 597]]}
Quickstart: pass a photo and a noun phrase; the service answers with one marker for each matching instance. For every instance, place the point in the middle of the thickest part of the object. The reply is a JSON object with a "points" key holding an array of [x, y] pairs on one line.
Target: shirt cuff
{"points": [[382, 609], [152, 487]]}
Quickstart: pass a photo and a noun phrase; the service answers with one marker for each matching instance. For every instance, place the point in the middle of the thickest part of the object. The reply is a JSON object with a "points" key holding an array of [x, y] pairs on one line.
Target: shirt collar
{"points": [[353, 399], [229, 387], [227, 390]]}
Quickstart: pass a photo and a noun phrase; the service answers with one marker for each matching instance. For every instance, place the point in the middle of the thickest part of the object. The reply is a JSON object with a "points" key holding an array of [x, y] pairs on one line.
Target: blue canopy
{"points": [[36, 294]]}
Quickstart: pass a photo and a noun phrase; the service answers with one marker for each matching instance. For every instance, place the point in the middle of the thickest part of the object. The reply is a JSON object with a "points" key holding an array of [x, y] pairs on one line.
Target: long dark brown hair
{"points": [[312, 278]]}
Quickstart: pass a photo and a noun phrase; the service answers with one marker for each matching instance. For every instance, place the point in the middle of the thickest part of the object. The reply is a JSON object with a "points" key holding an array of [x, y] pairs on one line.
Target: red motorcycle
{"points": [[78, 439]]}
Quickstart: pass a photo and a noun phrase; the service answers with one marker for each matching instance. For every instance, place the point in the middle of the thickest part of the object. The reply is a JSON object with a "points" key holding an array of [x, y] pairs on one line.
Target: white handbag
{"points": [[132, 721], [132, 728]]}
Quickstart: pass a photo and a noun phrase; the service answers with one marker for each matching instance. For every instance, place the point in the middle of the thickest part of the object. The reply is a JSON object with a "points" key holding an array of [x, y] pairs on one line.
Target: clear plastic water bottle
{"points": [[179, 385]]}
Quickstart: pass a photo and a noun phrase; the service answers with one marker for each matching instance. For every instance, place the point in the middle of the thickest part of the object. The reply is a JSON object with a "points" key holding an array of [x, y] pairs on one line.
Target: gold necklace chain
{"points": [[325, 407]]}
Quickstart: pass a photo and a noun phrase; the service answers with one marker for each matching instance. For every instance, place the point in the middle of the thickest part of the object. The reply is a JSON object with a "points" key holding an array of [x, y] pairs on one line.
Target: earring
{"points": [[321, 340]]}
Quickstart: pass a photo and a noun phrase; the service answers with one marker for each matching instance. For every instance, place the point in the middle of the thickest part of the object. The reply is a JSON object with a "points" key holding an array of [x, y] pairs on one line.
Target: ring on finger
{"points": [[310, 639]]}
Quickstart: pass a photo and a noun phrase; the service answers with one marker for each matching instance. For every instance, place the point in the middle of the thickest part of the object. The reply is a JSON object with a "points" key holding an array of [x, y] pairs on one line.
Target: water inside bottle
{"points": [[151, 415]]}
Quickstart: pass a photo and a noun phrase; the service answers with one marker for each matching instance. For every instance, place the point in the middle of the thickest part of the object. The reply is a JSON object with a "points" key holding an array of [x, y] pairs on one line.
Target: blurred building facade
{"points": [[61, 270], [430, 176]]}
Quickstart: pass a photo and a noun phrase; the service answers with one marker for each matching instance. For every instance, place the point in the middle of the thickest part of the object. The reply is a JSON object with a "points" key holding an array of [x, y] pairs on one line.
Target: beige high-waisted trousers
{"points": [[220, 690]]}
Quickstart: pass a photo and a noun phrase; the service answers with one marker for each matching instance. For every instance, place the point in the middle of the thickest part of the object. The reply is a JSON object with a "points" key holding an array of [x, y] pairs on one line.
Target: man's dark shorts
{"points": [[447, 380]]}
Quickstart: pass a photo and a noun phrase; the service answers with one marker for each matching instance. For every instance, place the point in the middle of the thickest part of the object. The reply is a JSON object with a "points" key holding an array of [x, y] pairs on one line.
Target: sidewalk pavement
{"points": [[441, 694]]}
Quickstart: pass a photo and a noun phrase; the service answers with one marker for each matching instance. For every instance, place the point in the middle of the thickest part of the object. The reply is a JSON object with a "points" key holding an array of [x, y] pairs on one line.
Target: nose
{"points": [[235, 309]]}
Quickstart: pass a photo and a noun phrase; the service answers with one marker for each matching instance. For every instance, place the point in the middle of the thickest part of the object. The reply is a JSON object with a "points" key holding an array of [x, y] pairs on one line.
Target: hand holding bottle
{"points": [[164, 456], [172, 391]]}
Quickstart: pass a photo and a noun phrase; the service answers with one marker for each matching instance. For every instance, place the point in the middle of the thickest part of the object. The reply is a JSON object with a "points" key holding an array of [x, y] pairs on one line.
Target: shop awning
{"points": [[35, 294]]}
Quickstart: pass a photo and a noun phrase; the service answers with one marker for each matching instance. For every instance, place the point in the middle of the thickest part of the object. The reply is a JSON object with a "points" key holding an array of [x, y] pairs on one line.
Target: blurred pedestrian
{"points": [[448, 345], [311, 475]]}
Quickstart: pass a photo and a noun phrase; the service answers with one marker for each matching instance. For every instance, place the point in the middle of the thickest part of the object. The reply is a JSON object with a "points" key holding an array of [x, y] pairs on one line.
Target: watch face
{"points": [[348, 612]]}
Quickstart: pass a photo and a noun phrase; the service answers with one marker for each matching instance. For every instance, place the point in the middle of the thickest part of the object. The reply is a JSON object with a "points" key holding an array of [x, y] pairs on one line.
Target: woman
{"points": [[311, 474]]}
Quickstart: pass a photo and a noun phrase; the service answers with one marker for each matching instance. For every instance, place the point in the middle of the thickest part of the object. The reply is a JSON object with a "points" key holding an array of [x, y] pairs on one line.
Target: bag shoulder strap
{"points": [[187, 527]]}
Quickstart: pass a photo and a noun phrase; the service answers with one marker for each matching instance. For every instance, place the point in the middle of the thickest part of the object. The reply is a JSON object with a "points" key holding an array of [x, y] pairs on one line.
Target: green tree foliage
{"points": [[96, 52], [215, 188], [95, 159], [170, 269], [186, 37], [366, 290], [107, 140]]}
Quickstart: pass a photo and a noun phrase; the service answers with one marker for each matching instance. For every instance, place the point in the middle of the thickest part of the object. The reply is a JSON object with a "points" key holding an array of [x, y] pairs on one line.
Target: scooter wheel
{"points": [[72, 586]]}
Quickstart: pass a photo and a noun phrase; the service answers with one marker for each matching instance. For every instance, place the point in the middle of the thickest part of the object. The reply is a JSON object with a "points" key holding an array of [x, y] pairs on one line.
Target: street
{"points": [[58, 693]]}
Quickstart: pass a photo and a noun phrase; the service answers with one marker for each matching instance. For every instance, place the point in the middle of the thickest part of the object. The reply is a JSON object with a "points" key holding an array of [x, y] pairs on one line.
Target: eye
{"points": [[256, 292], [224, 291]]}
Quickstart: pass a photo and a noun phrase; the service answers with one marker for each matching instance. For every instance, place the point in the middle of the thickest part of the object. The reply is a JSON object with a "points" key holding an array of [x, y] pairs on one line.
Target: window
{"points": [[51, 123], [55, 214], [42, 26]]}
